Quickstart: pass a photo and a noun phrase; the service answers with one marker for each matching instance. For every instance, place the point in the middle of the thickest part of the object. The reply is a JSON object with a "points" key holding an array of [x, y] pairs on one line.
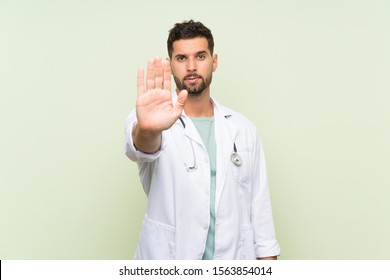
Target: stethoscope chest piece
{"points": [[236, 159]]}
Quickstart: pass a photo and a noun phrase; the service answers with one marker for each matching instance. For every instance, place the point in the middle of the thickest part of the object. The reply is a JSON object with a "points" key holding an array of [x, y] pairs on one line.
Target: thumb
{"points": [[181, 100]]}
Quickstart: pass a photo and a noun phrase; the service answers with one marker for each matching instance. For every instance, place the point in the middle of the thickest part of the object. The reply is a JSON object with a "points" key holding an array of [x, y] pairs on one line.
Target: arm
{"points": [[266, 245], [154, 108]]}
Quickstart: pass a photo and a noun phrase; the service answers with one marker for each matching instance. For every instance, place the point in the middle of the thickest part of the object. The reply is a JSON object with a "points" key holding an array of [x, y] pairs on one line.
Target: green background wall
{"points": [[312, 75]]}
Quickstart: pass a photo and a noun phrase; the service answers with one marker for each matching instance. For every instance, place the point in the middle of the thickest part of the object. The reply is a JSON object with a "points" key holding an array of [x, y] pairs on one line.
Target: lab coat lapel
{"points": [[225, 134]]}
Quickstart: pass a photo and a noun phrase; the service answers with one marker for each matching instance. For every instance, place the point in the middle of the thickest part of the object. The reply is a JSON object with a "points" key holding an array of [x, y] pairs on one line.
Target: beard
{"points": [[193, 88]]}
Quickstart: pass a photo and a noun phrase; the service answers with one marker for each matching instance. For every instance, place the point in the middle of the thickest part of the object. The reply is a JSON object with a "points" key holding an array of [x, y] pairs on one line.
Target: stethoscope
{"points": [[235, 157]]}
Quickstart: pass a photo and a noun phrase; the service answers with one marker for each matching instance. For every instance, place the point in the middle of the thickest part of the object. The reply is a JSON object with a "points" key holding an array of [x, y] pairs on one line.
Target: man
{"points": [[201, 164]]}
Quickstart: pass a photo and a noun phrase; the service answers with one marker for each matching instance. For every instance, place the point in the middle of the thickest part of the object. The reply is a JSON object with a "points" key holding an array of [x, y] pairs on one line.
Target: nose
{"points": [[191, 66]]}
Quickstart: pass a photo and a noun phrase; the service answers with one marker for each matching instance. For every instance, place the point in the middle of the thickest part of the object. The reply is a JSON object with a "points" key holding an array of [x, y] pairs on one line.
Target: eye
{"points": [[180, 58], [201, 56]]}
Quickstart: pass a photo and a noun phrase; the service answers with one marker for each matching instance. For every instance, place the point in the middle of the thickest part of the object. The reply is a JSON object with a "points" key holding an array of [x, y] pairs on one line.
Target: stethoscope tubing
{"points": [[235, 157]]}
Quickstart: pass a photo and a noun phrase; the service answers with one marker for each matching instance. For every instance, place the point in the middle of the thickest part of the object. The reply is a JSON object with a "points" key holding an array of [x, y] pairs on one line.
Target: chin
{"points": [[195, 93]]}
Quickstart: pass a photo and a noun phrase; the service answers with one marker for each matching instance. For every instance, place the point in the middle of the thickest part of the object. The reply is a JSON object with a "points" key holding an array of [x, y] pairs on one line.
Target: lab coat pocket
{"points": [[247, 245], [157, 241], [242, 172]]}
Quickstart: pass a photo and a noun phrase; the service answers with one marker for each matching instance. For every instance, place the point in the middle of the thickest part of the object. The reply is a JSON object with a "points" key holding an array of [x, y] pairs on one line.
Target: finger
{"points": [[167, 75], [158, 72], [181, 101], [150, 75], [140, 81]]}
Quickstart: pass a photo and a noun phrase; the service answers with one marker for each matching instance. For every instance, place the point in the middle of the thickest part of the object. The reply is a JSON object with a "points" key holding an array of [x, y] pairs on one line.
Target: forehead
{"points": [[190, 46]]}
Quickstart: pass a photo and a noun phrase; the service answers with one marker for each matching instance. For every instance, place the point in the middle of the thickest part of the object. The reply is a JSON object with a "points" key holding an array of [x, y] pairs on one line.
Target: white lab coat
{"points": [[176, 221]]}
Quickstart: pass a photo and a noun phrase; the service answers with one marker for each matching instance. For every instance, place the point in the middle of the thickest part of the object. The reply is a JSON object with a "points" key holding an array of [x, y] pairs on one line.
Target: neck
{"points": [[199, 105]]}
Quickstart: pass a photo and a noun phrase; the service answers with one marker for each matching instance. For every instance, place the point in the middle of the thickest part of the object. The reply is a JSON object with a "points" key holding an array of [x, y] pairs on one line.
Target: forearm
{"points": [[146, 141]]}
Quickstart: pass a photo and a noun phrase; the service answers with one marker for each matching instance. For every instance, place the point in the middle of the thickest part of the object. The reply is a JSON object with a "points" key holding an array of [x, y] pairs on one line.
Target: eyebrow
{"points": [[201, 52], [198, 53]]}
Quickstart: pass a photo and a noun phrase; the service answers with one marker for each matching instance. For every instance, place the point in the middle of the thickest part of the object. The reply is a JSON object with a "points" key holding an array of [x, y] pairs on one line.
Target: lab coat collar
{"points": [[221, 114]]}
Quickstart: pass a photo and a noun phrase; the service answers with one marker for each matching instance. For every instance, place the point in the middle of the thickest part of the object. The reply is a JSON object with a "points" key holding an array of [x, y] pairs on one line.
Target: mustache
{"points": [[192, 75]]}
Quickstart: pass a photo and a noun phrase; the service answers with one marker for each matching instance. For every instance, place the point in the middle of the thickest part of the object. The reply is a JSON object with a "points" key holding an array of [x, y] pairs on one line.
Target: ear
{"points": [[215, 62]]}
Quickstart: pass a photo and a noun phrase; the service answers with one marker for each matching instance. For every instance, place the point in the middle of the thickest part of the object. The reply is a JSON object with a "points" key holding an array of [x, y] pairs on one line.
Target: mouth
{"points": [[192, 78]]}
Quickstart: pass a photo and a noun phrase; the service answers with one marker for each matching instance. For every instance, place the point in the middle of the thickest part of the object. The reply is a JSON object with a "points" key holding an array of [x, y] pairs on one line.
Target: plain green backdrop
{"points": [[312, 75]]}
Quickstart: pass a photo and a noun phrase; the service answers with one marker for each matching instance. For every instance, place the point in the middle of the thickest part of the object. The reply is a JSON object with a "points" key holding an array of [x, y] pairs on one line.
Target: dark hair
{"points": [[189, 30]]}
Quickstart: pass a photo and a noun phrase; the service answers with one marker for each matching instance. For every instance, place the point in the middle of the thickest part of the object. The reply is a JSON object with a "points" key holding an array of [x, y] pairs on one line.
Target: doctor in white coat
{"points": [[201, 164]]}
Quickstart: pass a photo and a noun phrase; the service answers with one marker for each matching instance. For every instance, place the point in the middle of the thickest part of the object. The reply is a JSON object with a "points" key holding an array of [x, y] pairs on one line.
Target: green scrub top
{"points": [[206, 129]]}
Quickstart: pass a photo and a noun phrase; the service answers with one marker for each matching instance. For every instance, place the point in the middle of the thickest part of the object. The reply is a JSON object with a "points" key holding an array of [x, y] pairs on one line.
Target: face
{"points": [[193, 65]]}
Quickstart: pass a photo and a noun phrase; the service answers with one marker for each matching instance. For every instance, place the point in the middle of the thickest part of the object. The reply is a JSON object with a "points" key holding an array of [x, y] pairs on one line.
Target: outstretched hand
{"points": [[154, 107]]}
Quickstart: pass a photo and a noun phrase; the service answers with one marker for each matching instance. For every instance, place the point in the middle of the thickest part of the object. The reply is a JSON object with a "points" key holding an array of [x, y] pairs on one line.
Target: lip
{"points": [[192, 78]]}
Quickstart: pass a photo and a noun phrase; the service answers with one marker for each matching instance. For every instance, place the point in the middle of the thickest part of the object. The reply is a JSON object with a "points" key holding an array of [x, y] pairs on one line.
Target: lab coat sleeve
{"points": [[265, 241], [130, 150]]}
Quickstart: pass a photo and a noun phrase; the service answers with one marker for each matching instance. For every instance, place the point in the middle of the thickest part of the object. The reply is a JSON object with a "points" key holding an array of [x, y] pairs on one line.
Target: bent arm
{"points": [[266, 245]]}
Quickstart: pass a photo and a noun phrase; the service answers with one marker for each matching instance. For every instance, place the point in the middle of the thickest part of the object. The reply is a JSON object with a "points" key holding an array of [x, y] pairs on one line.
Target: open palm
{"points": [[155, 109]]}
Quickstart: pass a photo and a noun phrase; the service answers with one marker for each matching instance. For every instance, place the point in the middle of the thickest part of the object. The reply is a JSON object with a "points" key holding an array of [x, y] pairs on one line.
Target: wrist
{"points": [[146, 141]]}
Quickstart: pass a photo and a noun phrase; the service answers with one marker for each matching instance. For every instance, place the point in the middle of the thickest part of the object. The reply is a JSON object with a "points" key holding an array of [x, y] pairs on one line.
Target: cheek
{"points": [[207, 71], [208, 68], [176, 71]]}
